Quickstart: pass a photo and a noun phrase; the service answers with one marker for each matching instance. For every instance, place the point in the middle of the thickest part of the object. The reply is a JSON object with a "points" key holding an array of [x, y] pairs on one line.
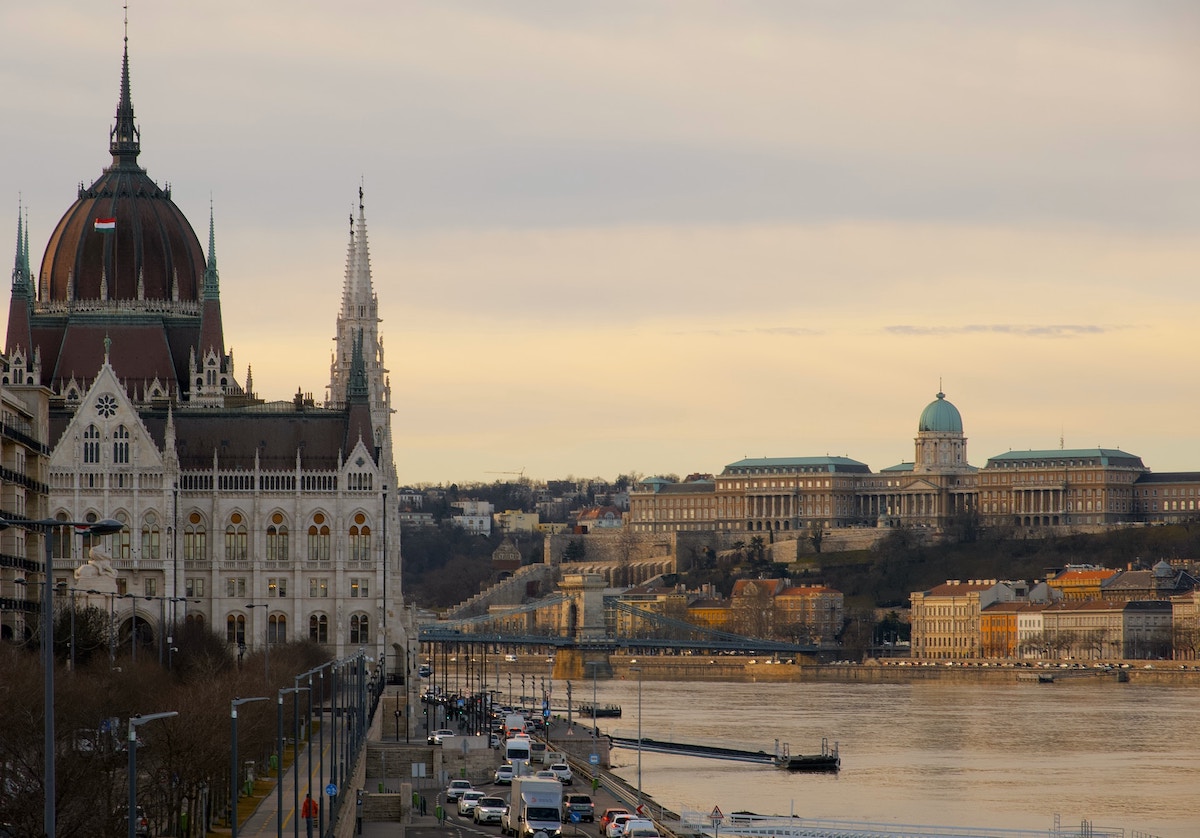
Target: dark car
{"points": [[578, 804]]}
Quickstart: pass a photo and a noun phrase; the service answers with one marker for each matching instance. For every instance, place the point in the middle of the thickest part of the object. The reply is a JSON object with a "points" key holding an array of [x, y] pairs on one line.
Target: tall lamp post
{"points": [[266, 636], [131, 744], [295, 691], [45, 526], [638, 670], [233, 760]]}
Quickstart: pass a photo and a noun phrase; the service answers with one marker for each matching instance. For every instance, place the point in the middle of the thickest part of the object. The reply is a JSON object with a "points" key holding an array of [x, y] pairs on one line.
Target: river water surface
{"points": [[1013, 755]]}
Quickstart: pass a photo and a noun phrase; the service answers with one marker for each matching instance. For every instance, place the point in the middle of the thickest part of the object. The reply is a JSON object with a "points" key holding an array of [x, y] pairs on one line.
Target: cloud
{"points": [[1016, 330]]}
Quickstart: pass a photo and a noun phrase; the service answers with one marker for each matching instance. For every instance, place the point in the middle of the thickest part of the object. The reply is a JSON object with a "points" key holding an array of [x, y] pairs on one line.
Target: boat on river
{"points": [[827, 760], [600, 711]]}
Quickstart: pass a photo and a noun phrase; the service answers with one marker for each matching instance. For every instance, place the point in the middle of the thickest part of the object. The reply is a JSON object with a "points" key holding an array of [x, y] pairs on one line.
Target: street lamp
{"points": [[106, 526], [233, 759], [295, 691], [638, 670], [131, 744], [266, 637]]}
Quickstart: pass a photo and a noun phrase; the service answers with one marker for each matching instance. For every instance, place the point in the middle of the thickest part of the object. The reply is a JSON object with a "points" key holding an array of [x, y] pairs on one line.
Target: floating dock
{"points": [[827, 760]]}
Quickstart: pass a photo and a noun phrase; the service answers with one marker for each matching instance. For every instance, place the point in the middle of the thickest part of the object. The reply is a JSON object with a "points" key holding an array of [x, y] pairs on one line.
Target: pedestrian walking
{"points": [[308, 811], [423, 804]]}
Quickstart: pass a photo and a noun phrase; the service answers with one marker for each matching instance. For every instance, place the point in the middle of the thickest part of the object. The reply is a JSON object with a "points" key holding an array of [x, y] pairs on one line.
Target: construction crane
{"points": [[520, 474]]}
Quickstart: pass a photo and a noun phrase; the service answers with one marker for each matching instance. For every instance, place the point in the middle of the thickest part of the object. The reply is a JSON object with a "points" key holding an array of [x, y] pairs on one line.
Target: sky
{"points": [[658, 237]]}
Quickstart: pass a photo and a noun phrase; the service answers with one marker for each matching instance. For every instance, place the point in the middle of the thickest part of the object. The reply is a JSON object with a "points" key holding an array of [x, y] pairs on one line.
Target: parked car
{"points": [[456, 788], [489, 810], [578, 804], [608, 815], [563, 772], [504, 775], [437, 737], [616, 827], [468, 800]]}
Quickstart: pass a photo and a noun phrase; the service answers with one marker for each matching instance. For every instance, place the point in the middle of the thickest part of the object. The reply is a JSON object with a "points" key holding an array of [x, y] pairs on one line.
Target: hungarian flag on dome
{"points": [[106, 225]]}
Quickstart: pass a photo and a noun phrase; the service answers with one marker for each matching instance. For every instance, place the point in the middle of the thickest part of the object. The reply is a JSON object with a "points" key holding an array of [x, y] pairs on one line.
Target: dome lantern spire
{"points": [[124, 141]]}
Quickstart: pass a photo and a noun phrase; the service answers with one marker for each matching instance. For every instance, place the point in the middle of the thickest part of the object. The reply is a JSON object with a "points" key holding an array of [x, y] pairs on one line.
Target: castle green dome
{"points": [[940, 417]]}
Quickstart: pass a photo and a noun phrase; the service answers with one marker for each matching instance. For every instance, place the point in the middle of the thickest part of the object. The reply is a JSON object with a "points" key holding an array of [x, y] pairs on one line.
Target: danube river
{"points": [[992, 755]]}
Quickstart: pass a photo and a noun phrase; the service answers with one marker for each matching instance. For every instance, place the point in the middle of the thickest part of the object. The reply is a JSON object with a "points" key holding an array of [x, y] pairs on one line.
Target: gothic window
{"points": [[195, 539], [121, 445], [121, 541], [277, 539], [235, 629], [318, 539], [60, 538], [358, 629], [318, 628], [151, 543], [277, 629], [235, 538], [91, 444], [360, 539]]}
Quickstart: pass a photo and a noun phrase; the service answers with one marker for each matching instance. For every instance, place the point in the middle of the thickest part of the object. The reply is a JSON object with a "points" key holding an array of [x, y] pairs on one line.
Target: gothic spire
{"points": [[124, 141], [212, 284], [20, 273]]}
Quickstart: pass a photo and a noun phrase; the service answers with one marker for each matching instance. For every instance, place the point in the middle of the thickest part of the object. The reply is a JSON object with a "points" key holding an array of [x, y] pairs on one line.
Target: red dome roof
{"points": [[152, 243]]}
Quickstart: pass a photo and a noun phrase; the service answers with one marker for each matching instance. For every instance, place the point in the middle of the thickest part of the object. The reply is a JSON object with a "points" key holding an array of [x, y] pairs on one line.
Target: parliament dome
{"points": [[940, 416], [150, 251]]}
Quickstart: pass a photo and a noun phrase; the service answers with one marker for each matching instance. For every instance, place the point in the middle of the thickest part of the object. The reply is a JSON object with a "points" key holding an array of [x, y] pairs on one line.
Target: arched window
{"points": [[121, 445], [235, 629], [360, 539], [358, 629], [318, 539], [235, 538], [150, 537], [277, 539], [277, 629], [60, 538], [318, 628], [195, 539], [194, 619], [91, 444], [123, 540]]}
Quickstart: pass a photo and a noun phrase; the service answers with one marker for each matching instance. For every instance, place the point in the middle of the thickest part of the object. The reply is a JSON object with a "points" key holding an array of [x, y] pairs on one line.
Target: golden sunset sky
{"points": [[663, 236]]}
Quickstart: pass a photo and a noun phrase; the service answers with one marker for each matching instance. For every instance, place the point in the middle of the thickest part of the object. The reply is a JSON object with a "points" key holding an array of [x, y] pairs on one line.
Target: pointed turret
{"points": [[20, 305], [212, 332], [124, 141], [358, 324]]}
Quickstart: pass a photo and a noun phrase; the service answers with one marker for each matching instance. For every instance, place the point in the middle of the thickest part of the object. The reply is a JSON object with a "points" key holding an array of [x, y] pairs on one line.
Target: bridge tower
{"points": [[584, 607]]}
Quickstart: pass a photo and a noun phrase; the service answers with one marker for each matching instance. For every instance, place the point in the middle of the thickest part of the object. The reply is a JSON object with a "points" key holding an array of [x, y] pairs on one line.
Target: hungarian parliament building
{"points": [[1078, 488]]}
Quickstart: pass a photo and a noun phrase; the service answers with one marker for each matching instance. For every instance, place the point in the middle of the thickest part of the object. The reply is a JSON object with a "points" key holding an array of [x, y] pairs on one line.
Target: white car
{"points": [[504, 775], [440, 736], [456, 788], [639, 828], [563, 772], [489, 810], [546, 774], [468, 800], [616, 827]]}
